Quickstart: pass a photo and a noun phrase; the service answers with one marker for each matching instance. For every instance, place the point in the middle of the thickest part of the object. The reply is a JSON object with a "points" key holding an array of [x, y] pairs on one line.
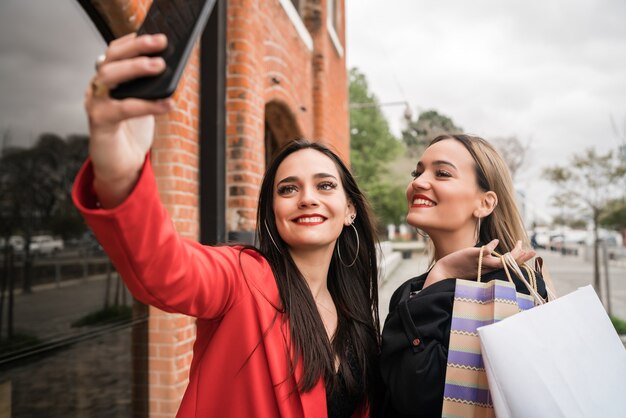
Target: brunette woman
{"points": [[289, 329]]}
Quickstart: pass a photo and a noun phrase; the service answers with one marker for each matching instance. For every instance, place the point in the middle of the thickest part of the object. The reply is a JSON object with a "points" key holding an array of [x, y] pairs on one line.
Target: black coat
{"points": [[415, 343]]}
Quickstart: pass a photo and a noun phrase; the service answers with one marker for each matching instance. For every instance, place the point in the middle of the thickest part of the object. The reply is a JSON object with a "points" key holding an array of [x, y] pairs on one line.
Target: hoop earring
{"points": [[356, 255], [271, 237], [424, 235]]}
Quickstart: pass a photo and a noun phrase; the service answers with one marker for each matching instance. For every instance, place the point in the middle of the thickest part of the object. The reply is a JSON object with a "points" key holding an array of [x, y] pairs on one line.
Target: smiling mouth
{"points": [[309, 220], [422, 203]]}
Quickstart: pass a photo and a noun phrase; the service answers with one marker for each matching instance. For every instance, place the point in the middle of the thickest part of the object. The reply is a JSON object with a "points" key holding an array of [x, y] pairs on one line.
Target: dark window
{"points": [[271, 145], [65, 316]]}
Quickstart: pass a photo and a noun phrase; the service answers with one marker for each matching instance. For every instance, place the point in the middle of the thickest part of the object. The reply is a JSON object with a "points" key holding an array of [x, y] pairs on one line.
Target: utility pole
{"points": [[605, 257]]}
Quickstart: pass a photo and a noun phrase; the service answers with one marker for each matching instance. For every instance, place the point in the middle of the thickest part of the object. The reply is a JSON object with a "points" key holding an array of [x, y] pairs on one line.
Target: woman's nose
{"points": [[308, 199], [421, 183]]}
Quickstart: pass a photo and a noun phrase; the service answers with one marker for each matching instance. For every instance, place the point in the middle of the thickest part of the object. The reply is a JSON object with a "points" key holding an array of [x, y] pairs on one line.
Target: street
{"points": [[568, 273], [49, 311]]}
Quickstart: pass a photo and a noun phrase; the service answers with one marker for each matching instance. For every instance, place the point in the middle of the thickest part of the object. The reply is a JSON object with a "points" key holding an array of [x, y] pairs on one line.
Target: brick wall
{"points": [[269, 63], [269, 66]]}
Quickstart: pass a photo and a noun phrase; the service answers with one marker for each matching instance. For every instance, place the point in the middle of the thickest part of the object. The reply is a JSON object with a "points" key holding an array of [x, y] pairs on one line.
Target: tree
{"points": [[614, 216], [372, 149], [428, 125], [513, 152], [569, 221], [589, 182], [65, 220], [35, 186]]}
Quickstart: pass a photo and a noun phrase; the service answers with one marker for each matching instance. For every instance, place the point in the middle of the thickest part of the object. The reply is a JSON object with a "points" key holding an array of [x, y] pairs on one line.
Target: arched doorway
{"points": [[280, 127]]}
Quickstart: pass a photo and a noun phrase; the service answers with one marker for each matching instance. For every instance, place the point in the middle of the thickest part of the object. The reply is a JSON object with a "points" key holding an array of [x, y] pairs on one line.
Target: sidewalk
{"points": [[406, 269], [50, 309], [568, 273]]}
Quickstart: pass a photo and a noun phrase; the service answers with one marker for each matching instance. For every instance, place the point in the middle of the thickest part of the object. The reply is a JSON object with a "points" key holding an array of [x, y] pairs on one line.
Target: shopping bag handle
{"points": [[532, 277], [547, 278], [507, 258], [480, 265], [508, 262], [480, 262]]}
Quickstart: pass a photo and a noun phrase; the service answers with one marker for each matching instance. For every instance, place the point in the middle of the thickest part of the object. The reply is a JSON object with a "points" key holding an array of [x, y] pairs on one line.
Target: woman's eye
{"points": [[443, 173], [327, 185], [287, 189], [415, 174]]}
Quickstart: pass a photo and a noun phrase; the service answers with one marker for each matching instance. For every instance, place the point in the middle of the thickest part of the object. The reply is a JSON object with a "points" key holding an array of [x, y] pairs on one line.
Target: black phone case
{"points": [[181, 21]]}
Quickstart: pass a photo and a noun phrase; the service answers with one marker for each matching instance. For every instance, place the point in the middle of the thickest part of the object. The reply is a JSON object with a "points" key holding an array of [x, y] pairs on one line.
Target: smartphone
{"points": [[181, 21]]}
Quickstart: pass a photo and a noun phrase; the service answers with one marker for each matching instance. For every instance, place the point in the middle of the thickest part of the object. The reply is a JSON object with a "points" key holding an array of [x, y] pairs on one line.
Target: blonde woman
{"points": [[462, 196]]}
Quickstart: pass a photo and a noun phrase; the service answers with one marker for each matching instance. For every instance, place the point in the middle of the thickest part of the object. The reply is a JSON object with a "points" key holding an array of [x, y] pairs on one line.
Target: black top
{"points": [[414, 373], [340, 402]]}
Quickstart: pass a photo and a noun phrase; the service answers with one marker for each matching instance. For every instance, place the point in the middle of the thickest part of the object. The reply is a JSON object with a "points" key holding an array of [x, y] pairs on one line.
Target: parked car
{"points": [[45, 244], [568, 237], [540, 237], [86, 244], [15, 241]]}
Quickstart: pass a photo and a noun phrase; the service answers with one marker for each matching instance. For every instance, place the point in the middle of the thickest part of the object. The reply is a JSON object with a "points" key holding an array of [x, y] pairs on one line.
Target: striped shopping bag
{"points": [[466, 391]]}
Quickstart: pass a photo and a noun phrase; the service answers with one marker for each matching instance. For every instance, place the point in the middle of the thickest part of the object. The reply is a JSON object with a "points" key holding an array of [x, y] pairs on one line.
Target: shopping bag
{"points": [[476, 304], [561, 359]]}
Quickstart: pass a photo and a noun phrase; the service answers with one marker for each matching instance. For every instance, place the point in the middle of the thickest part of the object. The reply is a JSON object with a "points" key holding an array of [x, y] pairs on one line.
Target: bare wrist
{"points": [[112, 192]]}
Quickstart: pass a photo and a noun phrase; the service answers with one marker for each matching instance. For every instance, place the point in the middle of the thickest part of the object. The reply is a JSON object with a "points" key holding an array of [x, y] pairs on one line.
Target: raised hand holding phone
{"points": [[137, 72], [121, 131], [181, 21]]}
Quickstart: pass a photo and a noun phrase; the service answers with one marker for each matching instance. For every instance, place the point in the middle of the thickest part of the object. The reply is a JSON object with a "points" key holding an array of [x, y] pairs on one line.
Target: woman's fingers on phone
{"points": [[115, 45], [117, 72], [128, 38], [134, 46]]}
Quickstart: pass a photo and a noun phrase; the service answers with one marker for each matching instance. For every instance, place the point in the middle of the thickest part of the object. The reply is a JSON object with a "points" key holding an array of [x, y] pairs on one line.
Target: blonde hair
{"points": [[492, 174]]}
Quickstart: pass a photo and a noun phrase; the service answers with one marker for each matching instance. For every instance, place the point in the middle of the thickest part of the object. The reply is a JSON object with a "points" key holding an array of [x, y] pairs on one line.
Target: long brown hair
{"points": [[354, 289], [492, 174]]}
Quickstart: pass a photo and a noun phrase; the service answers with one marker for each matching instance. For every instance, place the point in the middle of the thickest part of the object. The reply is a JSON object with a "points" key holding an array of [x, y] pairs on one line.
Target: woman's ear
{"points": [[350, 214], [488, 203]]}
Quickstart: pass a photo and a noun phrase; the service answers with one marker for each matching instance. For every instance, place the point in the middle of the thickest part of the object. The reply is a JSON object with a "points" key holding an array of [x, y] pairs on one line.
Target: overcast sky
{"points": [[549, 72], [47, 51]]}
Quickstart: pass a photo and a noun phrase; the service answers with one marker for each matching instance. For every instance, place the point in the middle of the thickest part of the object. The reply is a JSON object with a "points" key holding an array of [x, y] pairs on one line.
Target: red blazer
{"points": [[236, 371]]}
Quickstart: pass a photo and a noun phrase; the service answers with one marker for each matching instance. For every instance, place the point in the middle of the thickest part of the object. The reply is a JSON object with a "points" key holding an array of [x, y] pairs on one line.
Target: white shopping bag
{"points": [[561, 359]]}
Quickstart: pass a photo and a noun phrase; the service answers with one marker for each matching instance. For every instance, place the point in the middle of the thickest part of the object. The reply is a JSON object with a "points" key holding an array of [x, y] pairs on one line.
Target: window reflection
{"points": [[65, 316]]}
